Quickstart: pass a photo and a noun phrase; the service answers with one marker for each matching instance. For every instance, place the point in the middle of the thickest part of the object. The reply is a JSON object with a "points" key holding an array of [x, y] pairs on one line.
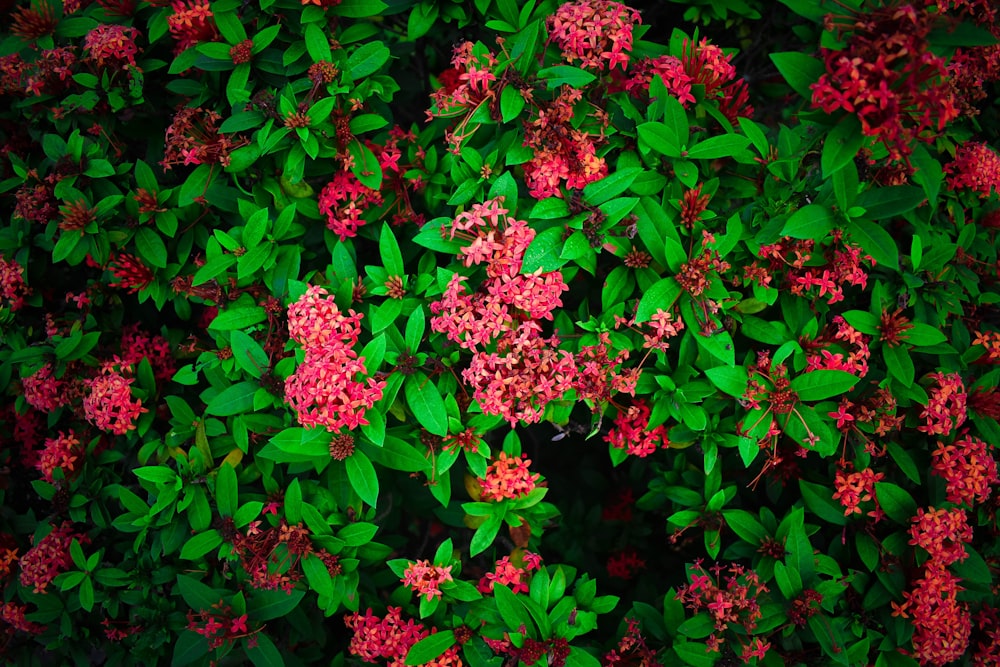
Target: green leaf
{"points": [[388, 247], [875, 241], [365, 167], [318, 575], [745, 525], [895, 501], [357, 9], [799, 70], [884, 203], [425, 402], [201, 544], [430, 647], [238, 318], [265, 653], [544, 252], [511, 610], [725, 145], [485, 534], [265, 605], [317, 44], [732, 380], [308, 442], [367, 59], [899, 363], [248, 353], [511, 104], [817, 385], [226, 490], [233, 400], [923, 335], [818, 499], [230, 27], [812, 221], [361, 474], [661, 138], [841, 145], [661, 295], [610, 186], [190, 647], [195, 185], [566, 75]]}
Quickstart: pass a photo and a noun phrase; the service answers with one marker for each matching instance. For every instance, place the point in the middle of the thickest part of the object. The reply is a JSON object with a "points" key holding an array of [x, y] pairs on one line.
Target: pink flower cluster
{"points": [[112, 45], [942, 625], [343, 201], [60, 452], [43, 391], [50, 557], [969, 470], [508, 477], [109, 405], [465, 84], [507, 574], [598, 33], [12, 614], [563, 151], [424, 578], [732, 602], [976, 167], [12, 287], [390, 638], [631, 431], [525, 371], [325, 389], [220, 625], [946, 405]]}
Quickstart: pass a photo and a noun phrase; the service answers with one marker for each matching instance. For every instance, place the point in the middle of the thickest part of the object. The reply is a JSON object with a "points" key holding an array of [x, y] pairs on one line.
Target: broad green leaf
{"points": [[841, 145], [724, 145], [233, 400], [367, 59], [812, 221], [732, 380], [425, 402], [201, 544], [817, 385], [799, 70], [364, 480], [429, 648], [875, 241], [544, 252], [895, 501]]}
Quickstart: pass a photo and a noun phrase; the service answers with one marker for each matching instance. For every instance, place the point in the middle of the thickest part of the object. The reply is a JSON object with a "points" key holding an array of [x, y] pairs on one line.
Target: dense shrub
{"points": [[483, 332]]}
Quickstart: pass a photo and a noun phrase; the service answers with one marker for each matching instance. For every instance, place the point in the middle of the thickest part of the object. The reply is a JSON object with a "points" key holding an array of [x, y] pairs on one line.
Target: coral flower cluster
{"points": [[330, 388]]}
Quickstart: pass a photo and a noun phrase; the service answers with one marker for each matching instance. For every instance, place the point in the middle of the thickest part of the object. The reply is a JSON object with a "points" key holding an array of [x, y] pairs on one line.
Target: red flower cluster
{"points": [[194, 138], [625, 564], [273, 556], [390, 638], [50, 557], [130, 273], [969, 470], [563, 152], [109, 405], [855, 488], [220, 626], [12, 287], [942, 624], [631, 431], [730, 604], [61, 452], [43, 391], [191, 23], [598, 33], [325, 389], [507, 574], [112, 45], [343, 201], [423, 578], [523, 375], [464, 85], [976, 167], [631, 649], [888, 76], [946, 405], [508, 477], [13, 613]]}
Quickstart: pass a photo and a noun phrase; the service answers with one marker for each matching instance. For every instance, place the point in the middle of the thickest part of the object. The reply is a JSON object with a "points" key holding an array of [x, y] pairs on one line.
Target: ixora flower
{"points": [[598, 33], [425, 579], [109, 405], [508, 477], [329, 388], [49, 558], [976, 167]]}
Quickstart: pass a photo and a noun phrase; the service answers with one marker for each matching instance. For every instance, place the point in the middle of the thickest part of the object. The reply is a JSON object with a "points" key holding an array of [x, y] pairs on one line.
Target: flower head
{"points": [[508, 477], [109, 405], [424, 578]]}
